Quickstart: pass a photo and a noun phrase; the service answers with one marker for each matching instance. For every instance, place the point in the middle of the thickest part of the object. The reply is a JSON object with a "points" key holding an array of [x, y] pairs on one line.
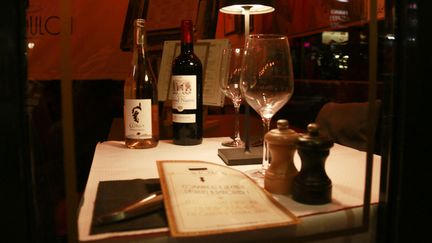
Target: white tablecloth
{"points": [[345, 167]]}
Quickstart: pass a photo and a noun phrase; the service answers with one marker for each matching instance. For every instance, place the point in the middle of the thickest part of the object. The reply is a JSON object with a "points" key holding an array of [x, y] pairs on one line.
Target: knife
{"points": [[146, 205]]}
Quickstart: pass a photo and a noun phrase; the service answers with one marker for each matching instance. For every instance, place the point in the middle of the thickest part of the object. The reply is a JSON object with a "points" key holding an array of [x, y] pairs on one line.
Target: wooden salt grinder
{"points": [[282, 145]]}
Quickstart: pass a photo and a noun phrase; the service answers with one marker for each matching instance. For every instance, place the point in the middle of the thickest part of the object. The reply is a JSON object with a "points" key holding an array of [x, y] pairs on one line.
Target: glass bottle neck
{"points": [[187, 36], [187, 48], [139, 54], [139, 41]]}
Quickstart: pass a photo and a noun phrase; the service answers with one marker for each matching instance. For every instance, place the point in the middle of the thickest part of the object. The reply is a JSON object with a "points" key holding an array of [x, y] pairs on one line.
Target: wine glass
{"points": [[230, 86], [267, 81]]}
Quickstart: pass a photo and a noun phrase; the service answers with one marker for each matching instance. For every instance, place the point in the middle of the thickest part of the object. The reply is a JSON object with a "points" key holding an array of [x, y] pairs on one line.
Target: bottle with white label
{"points": [[186, 88], [140, 113]]}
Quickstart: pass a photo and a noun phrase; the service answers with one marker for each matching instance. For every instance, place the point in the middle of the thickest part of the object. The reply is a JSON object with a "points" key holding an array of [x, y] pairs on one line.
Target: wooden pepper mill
{"points": [[312, 185], [282, 145]]}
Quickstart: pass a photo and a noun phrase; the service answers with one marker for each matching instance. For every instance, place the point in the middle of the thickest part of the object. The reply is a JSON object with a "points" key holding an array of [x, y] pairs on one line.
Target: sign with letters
{"points": [[96, 29]]}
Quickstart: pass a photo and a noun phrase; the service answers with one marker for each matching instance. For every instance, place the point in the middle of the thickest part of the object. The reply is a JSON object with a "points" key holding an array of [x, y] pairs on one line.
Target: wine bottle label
{"points": [[184, 92], [184, 118], [137, 118]]}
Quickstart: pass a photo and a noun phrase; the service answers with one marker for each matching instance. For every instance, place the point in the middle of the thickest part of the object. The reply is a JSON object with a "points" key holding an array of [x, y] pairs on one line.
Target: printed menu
{"points": [[203, 198], [210, 54]]}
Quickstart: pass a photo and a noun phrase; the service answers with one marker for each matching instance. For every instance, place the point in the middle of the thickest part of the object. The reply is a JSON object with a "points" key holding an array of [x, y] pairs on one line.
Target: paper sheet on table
{"points": [[204, 198]]}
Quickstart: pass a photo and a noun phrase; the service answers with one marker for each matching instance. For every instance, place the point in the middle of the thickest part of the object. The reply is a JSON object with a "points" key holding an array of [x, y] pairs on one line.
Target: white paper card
{"points": [[206, 198]]}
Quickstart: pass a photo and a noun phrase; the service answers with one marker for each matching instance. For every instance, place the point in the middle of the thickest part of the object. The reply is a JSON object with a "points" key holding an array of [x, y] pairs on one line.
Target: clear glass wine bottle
{"points": [[141, 110]]}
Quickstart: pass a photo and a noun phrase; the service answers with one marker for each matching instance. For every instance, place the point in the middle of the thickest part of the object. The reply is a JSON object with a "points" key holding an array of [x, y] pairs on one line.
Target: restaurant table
{"points": [[345, 167]]}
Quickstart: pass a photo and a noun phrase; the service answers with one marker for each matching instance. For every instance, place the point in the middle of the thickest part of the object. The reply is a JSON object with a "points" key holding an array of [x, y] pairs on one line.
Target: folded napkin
{"points": [[112, 195]]}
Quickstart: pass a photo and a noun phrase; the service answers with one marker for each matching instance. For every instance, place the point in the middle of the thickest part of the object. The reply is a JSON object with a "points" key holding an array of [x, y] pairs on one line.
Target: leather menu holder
{"points": [[112, 195]]}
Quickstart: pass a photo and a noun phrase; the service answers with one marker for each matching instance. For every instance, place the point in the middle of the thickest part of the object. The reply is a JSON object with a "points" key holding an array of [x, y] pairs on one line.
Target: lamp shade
{"points": [[254, 6]]}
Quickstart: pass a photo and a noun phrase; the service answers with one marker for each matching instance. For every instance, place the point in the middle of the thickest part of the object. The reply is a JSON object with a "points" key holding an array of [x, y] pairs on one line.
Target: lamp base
{"points": [[238, 156]]}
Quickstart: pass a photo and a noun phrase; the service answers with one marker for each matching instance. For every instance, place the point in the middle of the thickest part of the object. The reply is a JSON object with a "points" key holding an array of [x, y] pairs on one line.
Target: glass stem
{"points": [[266, 152], [236, 122]]}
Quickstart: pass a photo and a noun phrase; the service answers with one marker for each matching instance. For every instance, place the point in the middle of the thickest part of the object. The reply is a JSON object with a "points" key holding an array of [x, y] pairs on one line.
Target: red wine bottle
{"points": [[141, 118], [187, 99]]}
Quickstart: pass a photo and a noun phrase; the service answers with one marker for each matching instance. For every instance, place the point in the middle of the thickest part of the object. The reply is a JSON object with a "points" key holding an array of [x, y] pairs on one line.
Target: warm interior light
{"points": [[338, 37], [246, 8], [253, 9], [30, 45]]}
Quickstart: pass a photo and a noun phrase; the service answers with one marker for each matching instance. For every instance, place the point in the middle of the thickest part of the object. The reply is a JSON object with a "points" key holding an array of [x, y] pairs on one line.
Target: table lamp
{"points": [[248, 155], [246, 8]]}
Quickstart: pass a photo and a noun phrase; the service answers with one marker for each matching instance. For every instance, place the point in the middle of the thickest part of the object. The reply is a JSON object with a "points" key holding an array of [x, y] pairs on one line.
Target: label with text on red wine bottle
{"points": [[137, 118], [184, 92], [184, 118]]}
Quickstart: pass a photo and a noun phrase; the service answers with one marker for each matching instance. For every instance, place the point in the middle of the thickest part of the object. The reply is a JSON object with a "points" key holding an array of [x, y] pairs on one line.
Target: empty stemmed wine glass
{"points": [[267, 81], [230, 86]]}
